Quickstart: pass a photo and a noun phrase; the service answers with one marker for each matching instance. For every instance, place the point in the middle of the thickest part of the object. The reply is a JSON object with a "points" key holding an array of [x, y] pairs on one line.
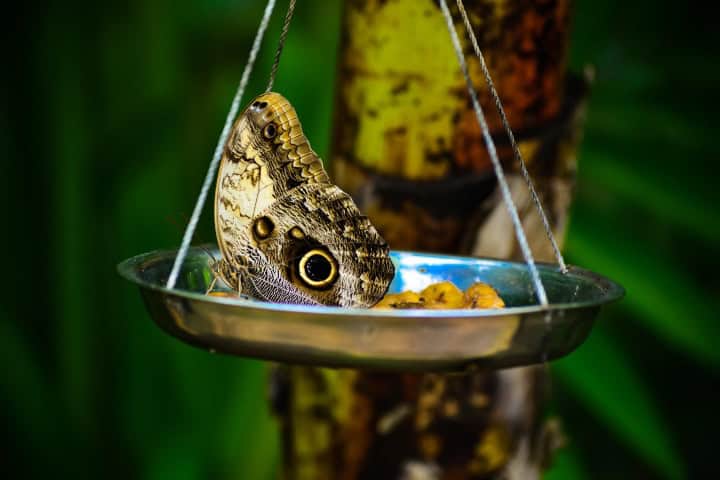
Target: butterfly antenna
{"points": [[209, 253]]}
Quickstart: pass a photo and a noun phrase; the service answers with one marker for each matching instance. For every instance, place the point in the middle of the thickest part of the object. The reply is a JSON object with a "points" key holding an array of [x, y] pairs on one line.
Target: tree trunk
{"points": [[408, 148]]}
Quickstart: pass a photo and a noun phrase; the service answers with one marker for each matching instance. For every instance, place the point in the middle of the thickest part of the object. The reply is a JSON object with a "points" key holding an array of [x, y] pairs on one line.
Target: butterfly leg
{"points": [[215, 270], [212, 284]]}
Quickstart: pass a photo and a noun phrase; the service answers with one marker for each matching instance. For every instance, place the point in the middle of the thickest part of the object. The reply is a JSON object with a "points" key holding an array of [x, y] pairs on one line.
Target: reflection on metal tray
{"points": [[428, 340]]}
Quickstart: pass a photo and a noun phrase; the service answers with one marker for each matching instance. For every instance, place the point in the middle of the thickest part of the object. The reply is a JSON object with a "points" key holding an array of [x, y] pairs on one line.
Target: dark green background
{"points": [[110, 112]]}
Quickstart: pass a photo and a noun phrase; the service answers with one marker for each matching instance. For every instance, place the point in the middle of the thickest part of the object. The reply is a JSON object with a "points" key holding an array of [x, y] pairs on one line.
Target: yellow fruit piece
{"points": [[444, 295], [222, 294], [482, 295], [400, 300]]}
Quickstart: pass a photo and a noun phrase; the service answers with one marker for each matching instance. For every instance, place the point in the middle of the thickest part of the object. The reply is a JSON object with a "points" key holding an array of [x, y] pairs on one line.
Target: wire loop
{"points": [[511, 137], [492, 151], [217, 155], [281, 44]]}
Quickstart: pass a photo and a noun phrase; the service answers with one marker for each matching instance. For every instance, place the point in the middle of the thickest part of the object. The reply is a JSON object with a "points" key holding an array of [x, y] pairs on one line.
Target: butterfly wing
{"points": [[281, 225], [326, 248], [265, 157]]}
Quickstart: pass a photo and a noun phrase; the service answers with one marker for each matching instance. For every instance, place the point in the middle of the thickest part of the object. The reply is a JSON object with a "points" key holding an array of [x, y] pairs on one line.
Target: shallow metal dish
{"points": [[427, 340]]}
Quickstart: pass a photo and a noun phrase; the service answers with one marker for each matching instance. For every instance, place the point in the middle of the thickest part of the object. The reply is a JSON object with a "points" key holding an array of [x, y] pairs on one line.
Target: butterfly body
{"points": [[285, 232]]}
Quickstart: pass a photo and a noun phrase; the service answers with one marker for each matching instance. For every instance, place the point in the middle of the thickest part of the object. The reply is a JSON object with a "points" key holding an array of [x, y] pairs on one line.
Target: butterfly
{"points": [[285, 232]]}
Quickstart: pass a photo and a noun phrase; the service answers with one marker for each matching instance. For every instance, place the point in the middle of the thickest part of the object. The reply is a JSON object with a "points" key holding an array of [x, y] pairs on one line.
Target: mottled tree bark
{"points": [[407, 146]]}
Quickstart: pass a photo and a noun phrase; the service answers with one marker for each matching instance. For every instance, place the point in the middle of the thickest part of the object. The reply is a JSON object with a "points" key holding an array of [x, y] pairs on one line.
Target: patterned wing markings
{"points": [[314, 245]]}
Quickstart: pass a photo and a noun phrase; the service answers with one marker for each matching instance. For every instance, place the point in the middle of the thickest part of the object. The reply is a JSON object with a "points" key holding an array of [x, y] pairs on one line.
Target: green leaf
{"points": [[26, 393], [248, 439], [668, 301], [566, 465], [175, 461], [655, 192], [605, 380], [70, 240]]}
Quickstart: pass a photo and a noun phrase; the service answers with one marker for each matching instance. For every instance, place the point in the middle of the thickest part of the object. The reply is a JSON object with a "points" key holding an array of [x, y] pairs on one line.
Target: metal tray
{"points": [[402, 340]]}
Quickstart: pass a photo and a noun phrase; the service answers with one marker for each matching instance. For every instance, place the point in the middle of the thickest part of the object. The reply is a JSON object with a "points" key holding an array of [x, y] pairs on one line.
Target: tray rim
{"points": [[611, 291]]}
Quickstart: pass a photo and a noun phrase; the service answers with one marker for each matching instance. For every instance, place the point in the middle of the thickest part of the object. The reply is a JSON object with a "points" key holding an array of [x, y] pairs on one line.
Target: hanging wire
{"points": [[281, 44], [513, 143], [492, 151], [212, 169]]}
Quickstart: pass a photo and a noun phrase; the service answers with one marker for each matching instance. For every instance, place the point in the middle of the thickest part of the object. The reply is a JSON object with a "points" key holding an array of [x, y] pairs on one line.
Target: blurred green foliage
{"points": [[110, 112]]}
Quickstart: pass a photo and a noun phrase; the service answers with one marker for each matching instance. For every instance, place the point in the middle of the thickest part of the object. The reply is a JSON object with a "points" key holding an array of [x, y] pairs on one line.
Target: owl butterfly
{"points": [[285, 232]]}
